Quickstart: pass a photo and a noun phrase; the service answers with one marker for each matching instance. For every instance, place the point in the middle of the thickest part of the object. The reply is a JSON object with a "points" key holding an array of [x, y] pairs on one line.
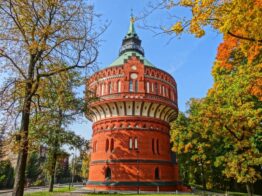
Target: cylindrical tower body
{"points": [[131, 142]]}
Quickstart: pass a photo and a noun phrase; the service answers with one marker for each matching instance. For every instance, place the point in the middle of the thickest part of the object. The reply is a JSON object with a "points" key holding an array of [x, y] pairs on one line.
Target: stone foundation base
{"points": [[132, 186]]}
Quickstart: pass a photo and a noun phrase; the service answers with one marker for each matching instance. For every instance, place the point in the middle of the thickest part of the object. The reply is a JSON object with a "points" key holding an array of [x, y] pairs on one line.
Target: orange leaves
{"points": [[253, 51], [225, 50], [258, 3], [256, 87]]}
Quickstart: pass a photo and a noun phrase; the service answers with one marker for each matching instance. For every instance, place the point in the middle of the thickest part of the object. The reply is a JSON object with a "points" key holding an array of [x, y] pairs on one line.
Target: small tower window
{"points": [[107, 145], [109, 88], [157, 146], [112, 145], [147, 87], [97, 90], [136, 144], [130, 143], [94, 146], [153, 146], [152, 87], [136, 86], [156, 88], [119, 86], [108, 174], [131, 86], [102, 89], [157, 177]]}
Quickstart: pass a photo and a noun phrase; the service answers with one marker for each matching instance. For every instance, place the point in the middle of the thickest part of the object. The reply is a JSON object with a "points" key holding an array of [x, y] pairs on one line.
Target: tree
{"points": [[234, 113], [6, 174], [237, 18], [60, 106], [36, 38], [86, 157], [194, 146], [33, 167]]}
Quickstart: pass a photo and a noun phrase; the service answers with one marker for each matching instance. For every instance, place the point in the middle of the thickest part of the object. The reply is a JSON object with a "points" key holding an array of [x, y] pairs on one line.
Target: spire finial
{"points": [[132, 18], [131, 30]]}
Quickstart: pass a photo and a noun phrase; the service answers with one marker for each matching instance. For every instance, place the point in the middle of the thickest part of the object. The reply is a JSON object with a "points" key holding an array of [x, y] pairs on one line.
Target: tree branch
{"points": [[244, 38]]}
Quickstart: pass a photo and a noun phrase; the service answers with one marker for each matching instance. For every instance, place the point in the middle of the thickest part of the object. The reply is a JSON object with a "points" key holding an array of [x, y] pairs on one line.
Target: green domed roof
{"points": [[125, 56]]}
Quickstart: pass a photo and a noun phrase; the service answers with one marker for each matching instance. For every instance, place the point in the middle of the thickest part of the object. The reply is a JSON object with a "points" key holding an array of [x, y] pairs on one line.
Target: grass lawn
{"points": [[139, 194], [46, 193], [58, 191]]}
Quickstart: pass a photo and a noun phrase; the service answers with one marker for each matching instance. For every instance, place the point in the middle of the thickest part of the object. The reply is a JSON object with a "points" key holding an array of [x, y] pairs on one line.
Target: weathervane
{"points": [[132, 18]]}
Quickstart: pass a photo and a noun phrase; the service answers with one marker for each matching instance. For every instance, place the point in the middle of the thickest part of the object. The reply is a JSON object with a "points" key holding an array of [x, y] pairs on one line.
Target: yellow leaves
{"points": [[177, 28], [186, 3], [188, 147], [196, 29], [209, 185], [33, 48]]}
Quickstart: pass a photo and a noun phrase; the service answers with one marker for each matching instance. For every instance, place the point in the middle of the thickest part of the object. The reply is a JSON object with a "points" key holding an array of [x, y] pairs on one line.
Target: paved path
{"points": [[8, 192], [27, 190]]}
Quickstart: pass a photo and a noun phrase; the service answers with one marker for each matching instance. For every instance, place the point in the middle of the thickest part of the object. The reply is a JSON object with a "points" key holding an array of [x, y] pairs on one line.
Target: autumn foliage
{"points": [[229, 117]]}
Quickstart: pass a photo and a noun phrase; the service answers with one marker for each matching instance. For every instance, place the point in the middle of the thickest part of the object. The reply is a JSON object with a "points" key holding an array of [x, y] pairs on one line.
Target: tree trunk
{"points": [[250, 190], [55, 149], [203, 176], [23, 150], [53, 167], [23, 137]]}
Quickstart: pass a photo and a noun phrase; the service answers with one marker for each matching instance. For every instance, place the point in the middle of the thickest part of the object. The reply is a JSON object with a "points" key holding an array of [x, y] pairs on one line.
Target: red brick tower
{"points": [[135, 104]]}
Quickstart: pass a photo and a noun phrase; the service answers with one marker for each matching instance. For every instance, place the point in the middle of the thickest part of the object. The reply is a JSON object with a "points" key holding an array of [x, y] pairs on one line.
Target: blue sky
{"points": [[188, 59]]}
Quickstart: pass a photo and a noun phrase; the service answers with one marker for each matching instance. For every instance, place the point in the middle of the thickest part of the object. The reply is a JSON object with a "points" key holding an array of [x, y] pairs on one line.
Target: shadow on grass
{"points": [[55, 192]]}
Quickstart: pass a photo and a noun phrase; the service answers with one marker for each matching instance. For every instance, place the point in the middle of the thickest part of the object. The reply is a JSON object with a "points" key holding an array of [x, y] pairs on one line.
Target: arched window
{"points": [[107, 145], [136, 86], [130, 143], [119, 86], [152, 89], [157, 177], [112, 145], [109, 90], [131, 86], [102, 89], [108, 174], [157, 146], [153, 146], [147, 87], [163, 88], [156, 88], [136, 144], [97, 90]]}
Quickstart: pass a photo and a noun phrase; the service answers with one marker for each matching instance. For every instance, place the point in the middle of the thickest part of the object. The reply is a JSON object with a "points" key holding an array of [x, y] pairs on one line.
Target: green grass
{"points": [[155, 194], [236, 194], [55, 192]]}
